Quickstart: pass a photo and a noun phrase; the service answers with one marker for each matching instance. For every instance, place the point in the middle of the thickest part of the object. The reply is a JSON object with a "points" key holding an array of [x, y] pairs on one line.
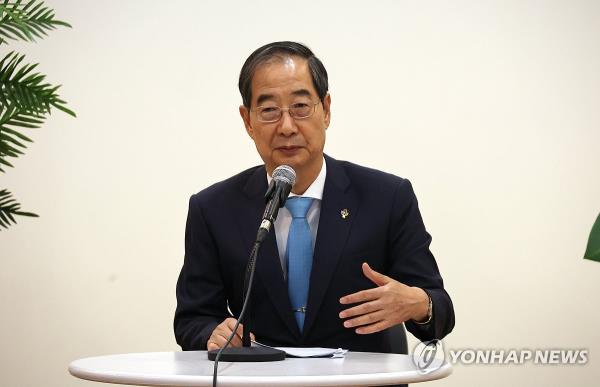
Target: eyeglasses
{"points": [[297, 111]]}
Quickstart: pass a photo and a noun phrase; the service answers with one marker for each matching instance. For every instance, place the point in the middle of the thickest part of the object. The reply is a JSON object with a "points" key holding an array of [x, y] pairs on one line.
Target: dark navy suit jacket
{"points": [[383, 227]]}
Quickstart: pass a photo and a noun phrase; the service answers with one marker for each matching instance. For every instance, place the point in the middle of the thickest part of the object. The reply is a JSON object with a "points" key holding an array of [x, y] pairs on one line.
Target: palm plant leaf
{"points": [[25, 98], [593, 247], [25, 89], [9, 208], [11, 141], [27, 20]]}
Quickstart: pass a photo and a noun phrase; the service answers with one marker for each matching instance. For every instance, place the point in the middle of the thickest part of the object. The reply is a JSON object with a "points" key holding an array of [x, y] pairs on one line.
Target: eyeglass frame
{"points": [[282, 109]]}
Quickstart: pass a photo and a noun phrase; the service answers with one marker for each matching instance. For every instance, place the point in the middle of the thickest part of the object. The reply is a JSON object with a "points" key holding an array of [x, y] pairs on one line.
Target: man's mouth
{"points": [[288, 149]]}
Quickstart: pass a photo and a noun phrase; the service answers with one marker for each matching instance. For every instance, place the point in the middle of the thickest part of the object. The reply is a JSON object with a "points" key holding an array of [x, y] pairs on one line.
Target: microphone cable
{"points": [[250, 271], [286, 176]]}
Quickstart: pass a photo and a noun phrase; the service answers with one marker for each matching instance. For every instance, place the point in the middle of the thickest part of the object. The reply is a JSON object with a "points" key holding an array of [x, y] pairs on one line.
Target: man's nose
{"points": [[287, 125]]}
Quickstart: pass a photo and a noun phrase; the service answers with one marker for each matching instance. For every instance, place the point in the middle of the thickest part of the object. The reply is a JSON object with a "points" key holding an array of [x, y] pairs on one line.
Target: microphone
{"points": [[284, 177]]}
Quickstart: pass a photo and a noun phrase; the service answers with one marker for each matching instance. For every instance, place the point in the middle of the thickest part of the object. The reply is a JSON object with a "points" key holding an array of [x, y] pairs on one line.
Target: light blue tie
{"points": [[299, 254]]}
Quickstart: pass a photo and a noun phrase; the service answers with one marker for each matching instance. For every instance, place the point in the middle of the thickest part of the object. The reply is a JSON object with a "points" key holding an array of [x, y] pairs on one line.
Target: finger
{"points": [[252, 337], [377, 278], [230, 322], [224, 332], [215, 342], [236, 340], [212, 346], [374, 328], [362, 296], [365, 319], [221, 337], [364, 308]]}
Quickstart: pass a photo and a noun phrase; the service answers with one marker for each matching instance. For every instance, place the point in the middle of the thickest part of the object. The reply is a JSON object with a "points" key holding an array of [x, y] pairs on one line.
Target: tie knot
{"points": [[298, 206]]}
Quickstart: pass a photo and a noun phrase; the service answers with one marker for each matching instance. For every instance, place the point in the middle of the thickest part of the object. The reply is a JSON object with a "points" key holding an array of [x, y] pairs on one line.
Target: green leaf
{"points": [[65, 109], [8, 29], [24, 102], [9, 208], [22, 124], [29, 4], [592, 251], [10, 119], [27, 21], [2, 161], [22, 88], [17, 134], [10, 150], [25, 98]]}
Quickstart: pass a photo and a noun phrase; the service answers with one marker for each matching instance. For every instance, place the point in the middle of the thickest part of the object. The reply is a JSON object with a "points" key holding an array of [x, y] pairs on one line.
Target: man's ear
{"points": [[245, 113], [327, 109]]}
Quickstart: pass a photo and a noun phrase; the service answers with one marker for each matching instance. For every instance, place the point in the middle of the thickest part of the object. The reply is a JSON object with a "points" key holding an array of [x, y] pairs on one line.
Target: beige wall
{"points": [[490, 108]]}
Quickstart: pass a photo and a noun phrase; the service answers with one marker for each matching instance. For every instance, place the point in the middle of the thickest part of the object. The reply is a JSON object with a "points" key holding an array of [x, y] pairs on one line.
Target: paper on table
{"points": [[313, 352], [309, 352]]}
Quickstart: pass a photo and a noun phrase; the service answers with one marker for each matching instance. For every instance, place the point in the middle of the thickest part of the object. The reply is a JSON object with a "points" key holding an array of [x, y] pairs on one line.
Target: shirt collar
{"points": [[315, 190]]}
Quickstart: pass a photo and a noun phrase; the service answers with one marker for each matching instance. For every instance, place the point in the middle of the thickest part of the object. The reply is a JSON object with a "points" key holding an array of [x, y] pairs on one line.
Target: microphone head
{"points": [[285, 174]]}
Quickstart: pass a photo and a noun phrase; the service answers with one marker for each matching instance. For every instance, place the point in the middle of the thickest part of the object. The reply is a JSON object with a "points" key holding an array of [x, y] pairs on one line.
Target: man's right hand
{"points": [[219, 336]]}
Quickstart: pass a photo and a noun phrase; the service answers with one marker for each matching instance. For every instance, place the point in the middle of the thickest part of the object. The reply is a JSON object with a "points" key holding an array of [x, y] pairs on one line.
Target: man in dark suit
{"points": [[369, 265]]}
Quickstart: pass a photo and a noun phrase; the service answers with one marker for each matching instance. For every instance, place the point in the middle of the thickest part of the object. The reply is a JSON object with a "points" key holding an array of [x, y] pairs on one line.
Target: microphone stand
{"points": [[247, 352]]}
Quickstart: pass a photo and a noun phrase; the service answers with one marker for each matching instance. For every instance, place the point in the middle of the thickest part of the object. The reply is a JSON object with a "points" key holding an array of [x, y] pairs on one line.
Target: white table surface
{"points": [[192, 368]]}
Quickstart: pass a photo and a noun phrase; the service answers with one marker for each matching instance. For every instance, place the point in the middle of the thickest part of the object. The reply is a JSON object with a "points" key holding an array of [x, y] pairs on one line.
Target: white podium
{"points": [[193, 368]]}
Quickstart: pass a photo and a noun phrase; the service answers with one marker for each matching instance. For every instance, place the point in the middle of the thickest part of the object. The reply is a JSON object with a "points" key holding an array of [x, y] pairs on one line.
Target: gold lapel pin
{"points": [[345, 213]]}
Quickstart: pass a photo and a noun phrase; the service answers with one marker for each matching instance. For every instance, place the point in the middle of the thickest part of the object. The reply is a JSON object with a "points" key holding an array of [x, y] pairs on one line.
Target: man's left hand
{"points": [[388, 304]]}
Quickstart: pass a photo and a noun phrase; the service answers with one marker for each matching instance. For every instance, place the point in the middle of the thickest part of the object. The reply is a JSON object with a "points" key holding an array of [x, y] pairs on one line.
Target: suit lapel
{"points": [[332, 234], [268, 264]]}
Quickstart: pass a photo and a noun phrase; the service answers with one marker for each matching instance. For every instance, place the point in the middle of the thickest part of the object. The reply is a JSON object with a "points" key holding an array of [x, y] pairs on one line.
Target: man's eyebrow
{"points": [[264, 97], [301, 92]]}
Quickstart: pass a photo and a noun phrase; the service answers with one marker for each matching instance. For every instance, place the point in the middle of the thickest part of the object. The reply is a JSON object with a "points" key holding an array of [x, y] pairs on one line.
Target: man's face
{"points": [[283, 82]]}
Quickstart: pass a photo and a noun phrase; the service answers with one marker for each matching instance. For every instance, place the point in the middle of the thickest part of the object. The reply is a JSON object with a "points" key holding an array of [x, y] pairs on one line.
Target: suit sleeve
{"points": [[201, 300], [413, 263]]}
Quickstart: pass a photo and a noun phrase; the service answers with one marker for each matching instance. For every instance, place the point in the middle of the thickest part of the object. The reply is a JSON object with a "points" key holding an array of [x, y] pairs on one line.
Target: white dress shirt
{"points": [[284, 218]]}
